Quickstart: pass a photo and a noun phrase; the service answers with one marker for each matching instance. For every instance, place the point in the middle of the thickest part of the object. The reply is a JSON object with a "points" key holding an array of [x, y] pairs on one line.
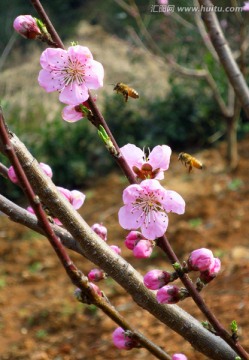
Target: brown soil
{"points": [[40, 319]]}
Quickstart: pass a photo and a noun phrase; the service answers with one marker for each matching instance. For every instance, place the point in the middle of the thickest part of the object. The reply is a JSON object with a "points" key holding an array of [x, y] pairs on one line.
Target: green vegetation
{"points": [[186, 118]]}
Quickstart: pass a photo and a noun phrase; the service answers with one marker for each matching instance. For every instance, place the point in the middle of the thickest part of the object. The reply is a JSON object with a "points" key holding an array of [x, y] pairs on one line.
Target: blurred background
{"points": [[160, 55], [135, 46]]}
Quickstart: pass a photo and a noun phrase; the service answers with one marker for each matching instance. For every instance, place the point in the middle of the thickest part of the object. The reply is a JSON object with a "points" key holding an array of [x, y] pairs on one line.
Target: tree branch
{"points": [[225, 55], [97, 251]]}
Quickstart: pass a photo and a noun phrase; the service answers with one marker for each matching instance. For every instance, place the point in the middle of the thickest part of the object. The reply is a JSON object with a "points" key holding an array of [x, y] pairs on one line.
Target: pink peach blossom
{"points": [[147, 167], [146, 206], [72, 72]]}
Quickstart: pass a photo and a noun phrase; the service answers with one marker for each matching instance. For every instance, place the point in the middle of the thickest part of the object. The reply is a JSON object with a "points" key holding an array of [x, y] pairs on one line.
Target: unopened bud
{"points": [[122, 340], [212, 272], [132, 239], [200, 259], [116, 249], [170, 294], [155, 279], [47, 169], [96, 275], [12, 175], [143, 249], [26, 26], [101, 230]]}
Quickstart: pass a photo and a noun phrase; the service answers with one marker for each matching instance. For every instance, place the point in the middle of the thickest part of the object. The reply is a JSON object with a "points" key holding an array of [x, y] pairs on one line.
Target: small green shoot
{"points": [[196, 222], [35, 267], [235, 184], [2, 282], [41, 334]]}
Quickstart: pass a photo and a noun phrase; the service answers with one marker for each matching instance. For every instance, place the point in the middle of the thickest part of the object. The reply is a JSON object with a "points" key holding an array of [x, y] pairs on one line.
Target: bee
{"points": [[126, 91], [189, 161]]}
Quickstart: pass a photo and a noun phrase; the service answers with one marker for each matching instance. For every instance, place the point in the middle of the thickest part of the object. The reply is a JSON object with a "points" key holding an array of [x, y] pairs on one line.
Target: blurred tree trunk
{"points": [[232, 143]]}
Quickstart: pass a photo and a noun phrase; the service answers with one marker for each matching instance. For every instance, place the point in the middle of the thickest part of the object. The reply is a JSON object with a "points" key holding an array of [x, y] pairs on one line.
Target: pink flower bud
{"points": [[116, 249], [215, 267], [100, 230], [212, 272], [30, 209], [71, 113], [47, 169], [155, 279], [143, 249], [132, 239], [122, 341], [26, 26], [77, 199], [12, 175], [96, 275], [168, 294], [179, 357], [200, 259], [65, 192]]}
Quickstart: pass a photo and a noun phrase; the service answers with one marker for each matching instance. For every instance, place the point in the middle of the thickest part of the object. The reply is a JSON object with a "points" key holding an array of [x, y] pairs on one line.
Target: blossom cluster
{"points": [[201, 260], [147, 203], [72, 73]]}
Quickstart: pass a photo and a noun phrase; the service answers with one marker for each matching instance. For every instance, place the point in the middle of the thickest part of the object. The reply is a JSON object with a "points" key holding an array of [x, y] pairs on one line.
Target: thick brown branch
{"points": [[99, 253]]}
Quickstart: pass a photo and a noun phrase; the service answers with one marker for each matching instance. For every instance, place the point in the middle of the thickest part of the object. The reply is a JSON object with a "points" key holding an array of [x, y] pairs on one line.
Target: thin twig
{"points": [[225, 55], [204, 34], [174, 66]]}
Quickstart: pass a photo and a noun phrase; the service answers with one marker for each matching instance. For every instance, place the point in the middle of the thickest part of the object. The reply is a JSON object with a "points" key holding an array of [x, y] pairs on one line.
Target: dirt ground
{"points": [[41, 320]]}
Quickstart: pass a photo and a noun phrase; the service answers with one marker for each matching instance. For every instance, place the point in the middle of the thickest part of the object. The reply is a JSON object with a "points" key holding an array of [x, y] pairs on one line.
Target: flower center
{"points": [[74, 72], [69, 72], [149, 205]]}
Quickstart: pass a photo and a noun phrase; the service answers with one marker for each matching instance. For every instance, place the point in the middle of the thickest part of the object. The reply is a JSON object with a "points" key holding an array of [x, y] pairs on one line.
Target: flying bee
{"points": [[126, 91], [189, 161]]}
